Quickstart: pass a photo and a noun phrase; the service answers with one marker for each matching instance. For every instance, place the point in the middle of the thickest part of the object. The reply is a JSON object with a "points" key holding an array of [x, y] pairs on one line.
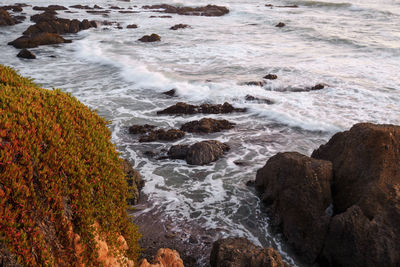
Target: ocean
{"points": [[352, 48]]}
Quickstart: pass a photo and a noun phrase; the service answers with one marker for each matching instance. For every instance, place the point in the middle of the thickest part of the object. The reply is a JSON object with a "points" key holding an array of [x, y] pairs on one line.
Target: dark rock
{"points": [[271, 76], [207, 125], [44, 38], [5, 18], [150, 38], [163, 17], [45, 16], [251, 183], [209, 10], [255, 83], [50, 7], [81, 7], [179, 26], [178, 151], [289, 6], [134, 180], [280, 25], [242, 163], [98, 12], [19, 19], [204, 152], [115, 7], [161, 134], [141, 129], [150, 153], [131, 26], [259, 100], [170, 93], [17, 9], [297, 191], [240, 252], [25, 53], [183, 108], [318, 87]]}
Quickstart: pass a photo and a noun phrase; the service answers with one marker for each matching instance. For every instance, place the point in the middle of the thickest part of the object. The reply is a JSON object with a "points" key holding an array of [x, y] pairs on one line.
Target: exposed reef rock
{"points": [[6, 19], [165, 257], [240, 252], [179, 26], [358, 171], [183, 108], [150, 38], [207, 125], [209, 10], [25, 53]]}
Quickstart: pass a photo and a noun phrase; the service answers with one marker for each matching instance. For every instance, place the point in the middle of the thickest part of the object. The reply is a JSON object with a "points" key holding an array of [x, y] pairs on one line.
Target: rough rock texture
{"points": [[150, 38], [207, 125], [47, 22], [38, 39], [178, 151], [25, 53], [302, 216], [240, 252], [209, 10], [364, 190], [165, 258], [5, 18], [179, 26], [366, 196], [183, 108], [135, 182], [205, 152]]}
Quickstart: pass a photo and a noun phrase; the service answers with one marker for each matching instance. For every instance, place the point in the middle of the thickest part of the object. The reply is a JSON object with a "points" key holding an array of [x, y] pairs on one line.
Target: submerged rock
{"points": [[207, 125], [280, 25], [205, 152], [209, 10], [179, 26], [297, 191], [259, 100], [255, 83], [150, 38], [240, 252], [183, 108], [25, 53], [170, 93]]}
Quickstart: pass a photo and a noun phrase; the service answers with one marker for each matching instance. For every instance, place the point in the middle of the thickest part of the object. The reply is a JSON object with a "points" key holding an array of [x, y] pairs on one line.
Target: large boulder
{"points": [[366, 196], [25, 53], [240, 252], [205, 152], [207, 125], [36, 40], [296, 190]]}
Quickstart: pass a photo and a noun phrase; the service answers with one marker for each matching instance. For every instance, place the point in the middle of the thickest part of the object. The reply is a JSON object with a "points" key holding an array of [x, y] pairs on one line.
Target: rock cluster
{"points": [[341, 207], [207, 125], [209, 10], [183, 108], [149, 134]]}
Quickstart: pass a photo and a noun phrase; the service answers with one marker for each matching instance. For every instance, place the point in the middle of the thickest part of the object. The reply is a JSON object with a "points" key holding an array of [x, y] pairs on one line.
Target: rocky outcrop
{"points": [[359, 172], [134, 180], [209, 10], [25, 53], [207, 125], [150, 38], [5, 18], [302, 218], [183, 108], [200, 153], [179, 26], [37, 40], [240, 252], [165, 257], [366, 196], [205, 152]]}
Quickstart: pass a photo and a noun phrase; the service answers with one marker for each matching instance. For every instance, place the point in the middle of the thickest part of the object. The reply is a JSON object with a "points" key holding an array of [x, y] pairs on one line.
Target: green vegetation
{"points": [[58, 168]]}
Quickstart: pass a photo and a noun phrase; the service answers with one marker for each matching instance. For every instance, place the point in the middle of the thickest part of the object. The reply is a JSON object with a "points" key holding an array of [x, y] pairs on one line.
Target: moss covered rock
{"points": [[58, 171]]}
